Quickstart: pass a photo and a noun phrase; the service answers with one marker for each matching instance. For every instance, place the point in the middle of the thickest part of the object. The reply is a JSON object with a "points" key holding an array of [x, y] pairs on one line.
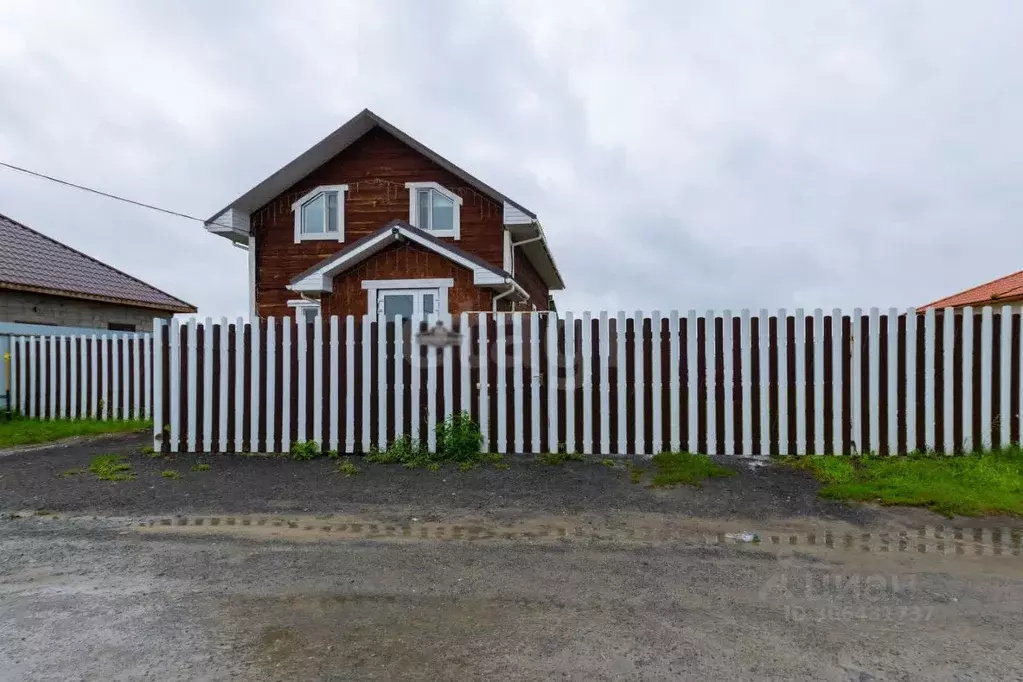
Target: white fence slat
{"points": [[675, 388], [255, 355], [174, 379], [286, 379], [146, 348], [727, 377], [711, 339], [34, 386], [367, 375], [656, 411], [930, 329], [517, 388], [22, 399], [692, 377], [222, 383], [502, 388], [94, 374], [968, 379], [79, 367], [431, 399], [986, 344], [818, 381], [783, 383], [604, 344], [638, 382], [622, 395], [1005, 371], [837, 363], [382, 392], [399, 376], [449, 363], [483, 353], [746, 366], [335, 375], [948, 316], [1020, 384], [535, 379], [764, 330], [302, 343], [569, 386], [893, 375], [73, 359], [350, 385], [125, 375], [103, 405], [15, 376], [587, 372], [415, 380], [874, 374], [158, 379], [553, 383], [53, 376], [911, 397], [62, 378], [464, 365], [317, 406], [856, 382], [239, 384], [271, 385], [207, 385], [801, 380], [191, 355]]}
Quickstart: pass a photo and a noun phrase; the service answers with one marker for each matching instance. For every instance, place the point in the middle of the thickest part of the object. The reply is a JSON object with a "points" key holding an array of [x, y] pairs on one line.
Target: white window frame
{"points": [[296, 208], [301, 305], [413, 213], [373, 288]]}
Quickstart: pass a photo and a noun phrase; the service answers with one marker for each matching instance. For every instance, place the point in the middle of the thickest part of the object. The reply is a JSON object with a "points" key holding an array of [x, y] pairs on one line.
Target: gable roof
{"points": [[317, 278], [334, 144], [1008, 289], [31, 261]]}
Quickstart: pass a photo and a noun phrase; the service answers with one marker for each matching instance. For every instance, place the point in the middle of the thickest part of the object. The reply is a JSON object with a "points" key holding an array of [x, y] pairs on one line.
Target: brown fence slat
{"points": [[900, 383], [685, 366], [881, 447], [577, 386], [1014, 387], [600, 392], [559, 383], [996, 381], [719, 385], [939, 384], [957, 383], [757, 446], [790, 379], [736, 387], [701, 385], [664, 432], [630, 384], [829, 385], [976, 440], [772, 388], [809, 407]]}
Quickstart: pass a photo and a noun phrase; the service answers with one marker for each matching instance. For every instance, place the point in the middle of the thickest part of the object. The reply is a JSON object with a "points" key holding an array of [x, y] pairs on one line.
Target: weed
{"points": [[467, 465], [433, 466], [501, 466], [673, 468], [148, 450], [305, 450], [404, 450], [111, 468], [201, 467], [969, 485], [556, 458], [636, 474], [73, 472], [459, 438], [346, 468], [171, 474], [608, 462], [332, 454]]}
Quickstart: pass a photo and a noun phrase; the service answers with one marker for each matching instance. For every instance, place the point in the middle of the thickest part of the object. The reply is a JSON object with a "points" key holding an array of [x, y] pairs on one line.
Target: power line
{"points": [[104, 194]]}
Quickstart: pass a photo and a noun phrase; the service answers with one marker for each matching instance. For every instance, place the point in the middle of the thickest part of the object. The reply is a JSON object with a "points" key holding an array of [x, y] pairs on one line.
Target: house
{"points": [[1006, 290], [371, 221], [44, 282]]}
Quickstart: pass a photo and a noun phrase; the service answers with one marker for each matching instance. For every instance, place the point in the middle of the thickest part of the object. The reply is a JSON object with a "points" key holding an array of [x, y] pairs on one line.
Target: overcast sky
{"points": [[679, 153]]}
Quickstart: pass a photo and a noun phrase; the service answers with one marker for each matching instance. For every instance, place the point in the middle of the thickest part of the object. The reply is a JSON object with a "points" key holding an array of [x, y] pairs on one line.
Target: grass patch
{"points": [[31, 431], [968, 485], [171, 474], [111, 468], [305, 450], [675, 468], [201, 467], [459, 442], [608, 462], [346, 468], [636, 474], [558, 458]]}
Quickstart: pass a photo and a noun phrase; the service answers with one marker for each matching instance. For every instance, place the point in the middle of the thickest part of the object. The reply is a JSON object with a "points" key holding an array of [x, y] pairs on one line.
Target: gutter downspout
{"points": [[520, 243], [511, 289]]}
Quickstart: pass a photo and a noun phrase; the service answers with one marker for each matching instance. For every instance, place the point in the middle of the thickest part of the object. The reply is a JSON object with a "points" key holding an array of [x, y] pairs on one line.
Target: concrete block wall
{"points": [[31, 308]]}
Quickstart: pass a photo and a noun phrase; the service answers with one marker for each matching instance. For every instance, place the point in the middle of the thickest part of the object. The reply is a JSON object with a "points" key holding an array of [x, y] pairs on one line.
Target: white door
{"points": [[407, 303]]}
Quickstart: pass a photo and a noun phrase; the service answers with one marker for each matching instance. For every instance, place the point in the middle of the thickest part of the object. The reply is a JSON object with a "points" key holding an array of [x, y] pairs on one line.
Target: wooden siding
{"points": [[405, 261], [375, 168], [530, 280]]}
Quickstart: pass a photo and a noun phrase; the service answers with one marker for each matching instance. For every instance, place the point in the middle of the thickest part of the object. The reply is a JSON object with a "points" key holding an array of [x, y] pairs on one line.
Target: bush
{"points": [[305, 450], [459, 441]]}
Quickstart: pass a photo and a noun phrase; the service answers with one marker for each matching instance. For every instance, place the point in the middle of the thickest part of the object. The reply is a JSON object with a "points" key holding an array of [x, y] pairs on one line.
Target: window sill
{"points": [[453, 234], [320, 237]]}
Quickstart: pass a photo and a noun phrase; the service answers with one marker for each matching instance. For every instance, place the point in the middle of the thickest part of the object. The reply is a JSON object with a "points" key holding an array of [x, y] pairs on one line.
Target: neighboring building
{"points": [[44, 282], [1007, 290], [370, 221]]}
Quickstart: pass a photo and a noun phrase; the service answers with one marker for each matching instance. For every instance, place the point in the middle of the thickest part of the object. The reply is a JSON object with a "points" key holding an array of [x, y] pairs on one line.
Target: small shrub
{"points": [[459, 441], [305, 450], [111, 468], [201, 467], [459, 438], [332, 454], [346, 468], [404, 450], [171, 474]]}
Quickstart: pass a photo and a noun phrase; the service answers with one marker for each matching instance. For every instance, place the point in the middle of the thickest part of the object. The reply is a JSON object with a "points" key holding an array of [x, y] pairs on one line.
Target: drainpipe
{"points": [[524, 241], [511, 289]]}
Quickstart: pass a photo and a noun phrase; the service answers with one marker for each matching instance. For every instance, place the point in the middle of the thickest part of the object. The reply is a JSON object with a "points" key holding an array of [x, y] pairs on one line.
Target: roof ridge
{"points": [[934, 304], [94, 260]]}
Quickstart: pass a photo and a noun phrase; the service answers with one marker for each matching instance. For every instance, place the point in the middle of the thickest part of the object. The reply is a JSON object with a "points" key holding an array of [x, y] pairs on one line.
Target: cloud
{"points": [[680, 155]]}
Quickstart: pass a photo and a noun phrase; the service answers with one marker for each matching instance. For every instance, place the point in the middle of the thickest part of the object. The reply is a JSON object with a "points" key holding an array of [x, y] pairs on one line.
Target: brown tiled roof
{"points": [[31, 261], [1008, 289]]}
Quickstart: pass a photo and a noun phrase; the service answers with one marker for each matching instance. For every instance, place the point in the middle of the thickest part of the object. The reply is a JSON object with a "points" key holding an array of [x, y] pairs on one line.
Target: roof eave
{"points": [[182, 307]]}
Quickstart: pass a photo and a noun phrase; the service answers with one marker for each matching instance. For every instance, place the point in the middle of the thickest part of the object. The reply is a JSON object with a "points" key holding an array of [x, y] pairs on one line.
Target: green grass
{"points": [[674, 468], [201, 467], [345, 467], [977, 484], [171, 474], [31, 431], [111, 468], [557, 458]]}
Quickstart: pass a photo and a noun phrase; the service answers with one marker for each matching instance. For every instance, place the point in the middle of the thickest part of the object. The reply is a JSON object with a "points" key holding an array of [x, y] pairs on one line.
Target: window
{"points": [[305, 311], [320, 214], [434, 209], [120, 327], [389, 298]]}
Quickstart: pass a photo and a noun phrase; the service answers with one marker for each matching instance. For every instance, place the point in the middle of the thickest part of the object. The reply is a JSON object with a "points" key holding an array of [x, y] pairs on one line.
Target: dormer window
{"points": [[435, 209], [320, 214]]}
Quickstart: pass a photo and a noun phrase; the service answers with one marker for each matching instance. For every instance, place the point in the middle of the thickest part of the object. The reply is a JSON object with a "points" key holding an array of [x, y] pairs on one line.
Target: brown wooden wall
{"points": [[375, 168], [401, 261], [527, 276]]}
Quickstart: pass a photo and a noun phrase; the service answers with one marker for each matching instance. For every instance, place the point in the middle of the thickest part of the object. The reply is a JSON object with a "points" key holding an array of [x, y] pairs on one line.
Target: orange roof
{"points": [[1008, 289]]}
